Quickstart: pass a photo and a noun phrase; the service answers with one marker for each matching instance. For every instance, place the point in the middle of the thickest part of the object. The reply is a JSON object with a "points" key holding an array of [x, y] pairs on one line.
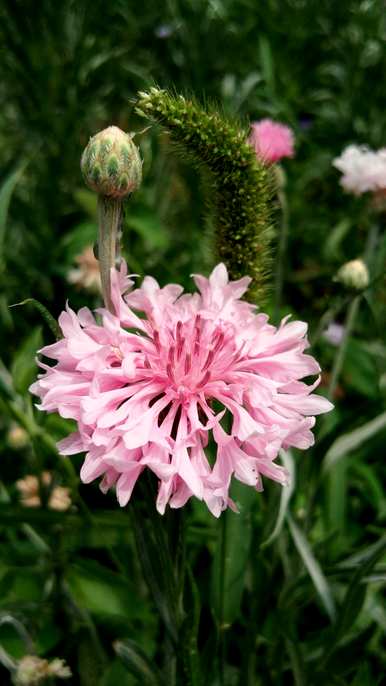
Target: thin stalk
{"points": [[327, 318], [371, 244], [341, 353], [296, 662], [223, 556], [336, 485], [281, 253], [109, 219]]}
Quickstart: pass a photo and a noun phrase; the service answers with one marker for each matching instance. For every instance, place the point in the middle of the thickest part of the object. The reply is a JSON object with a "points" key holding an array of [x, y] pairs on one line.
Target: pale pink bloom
{"points": [[86, 275], [197, 373], [362, 169], [29, 489], [33, 671], [334, 333], [272, 141]]}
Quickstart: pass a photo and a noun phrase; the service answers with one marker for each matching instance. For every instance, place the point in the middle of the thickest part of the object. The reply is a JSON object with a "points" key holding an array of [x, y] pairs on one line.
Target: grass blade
{"points": [[350, 441], [286, 494], [313, 567]]}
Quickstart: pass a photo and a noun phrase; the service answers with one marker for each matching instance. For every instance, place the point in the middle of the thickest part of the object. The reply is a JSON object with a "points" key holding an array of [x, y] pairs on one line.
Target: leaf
{"points": [[354, 598], [6, 191], [360, 372], [103, 592], [350, 441], [147, 225], [231, 556], [138, 663], [332, 246], [313, 567], [80, 237], [87, 200], [371, 486], [47, 316], [189, 632], [154, 554], [266, 59], [90, 660], [116, 674], [285, 497], [23, 368]]}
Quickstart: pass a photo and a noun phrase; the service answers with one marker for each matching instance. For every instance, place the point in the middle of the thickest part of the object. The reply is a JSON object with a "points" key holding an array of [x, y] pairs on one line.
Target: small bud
{"points": [[17, 437], [111, 164], [353, 275]]}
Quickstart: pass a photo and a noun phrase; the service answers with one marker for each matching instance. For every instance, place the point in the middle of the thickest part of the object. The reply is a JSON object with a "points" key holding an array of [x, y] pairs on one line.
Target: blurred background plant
{"points": [[301, 596]]}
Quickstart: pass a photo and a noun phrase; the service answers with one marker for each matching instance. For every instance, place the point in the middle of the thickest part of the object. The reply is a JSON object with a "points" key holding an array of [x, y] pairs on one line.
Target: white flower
{"points": [[33, 670], [354, 275], [363, 169], [334, 333]]}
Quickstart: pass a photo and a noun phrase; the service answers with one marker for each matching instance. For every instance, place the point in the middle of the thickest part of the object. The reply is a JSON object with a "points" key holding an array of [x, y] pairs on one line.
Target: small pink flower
{"points": [[153, 392], [272, 141]]}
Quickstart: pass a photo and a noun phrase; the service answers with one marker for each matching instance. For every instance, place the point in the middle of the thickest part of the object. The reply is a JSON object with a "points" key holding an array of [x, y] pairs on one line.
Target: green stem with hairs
{"points": [[240, 186], [281, 253]]}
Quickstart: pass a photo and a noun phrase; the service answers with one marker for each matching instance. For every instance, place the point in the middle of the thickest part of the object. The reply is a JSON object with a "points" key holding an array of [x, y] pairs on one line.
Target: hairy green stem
{"points": [[239, 185], [281, 253]]}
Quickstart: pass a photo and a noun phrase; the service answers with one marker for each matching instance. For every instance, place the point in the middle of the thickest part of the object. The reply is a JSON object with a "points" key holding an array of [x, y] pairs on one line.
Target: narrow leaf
{"points": [[6, 191], [313, 567], [350, 441], [137, 662], [189, 632], [23, 368], [286, 494], [354, 597], [47, 316]]}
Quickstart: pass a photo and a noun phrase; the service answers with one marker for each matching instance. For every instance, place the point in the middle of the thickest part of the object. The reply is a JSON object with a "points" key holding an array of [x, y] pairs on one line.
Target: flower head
{"points": [[29, 489], [33, 671], [354, 275], [271, 140], [334, 333], [194, 371], [363, 169], [86, 275]]}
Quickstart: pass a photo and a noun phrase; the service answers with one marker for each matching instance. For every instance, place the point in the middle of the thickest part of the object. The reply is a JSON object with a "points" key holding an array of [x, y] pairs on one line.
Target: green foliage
{"points": [[298, 577]]}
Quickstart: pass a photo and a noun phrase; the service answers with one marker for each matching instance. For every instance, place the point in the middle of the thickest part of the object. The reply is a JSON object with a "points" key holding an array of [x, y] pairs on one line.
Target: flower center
{"points": [[191, 355]]}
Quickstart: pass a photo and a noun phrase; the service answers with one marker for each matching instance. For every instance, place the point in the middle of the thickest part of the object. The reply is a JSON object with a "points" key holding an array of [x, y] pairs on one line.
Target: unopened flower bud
{"points": [[111, 164], [17, 437], [354, 275]]}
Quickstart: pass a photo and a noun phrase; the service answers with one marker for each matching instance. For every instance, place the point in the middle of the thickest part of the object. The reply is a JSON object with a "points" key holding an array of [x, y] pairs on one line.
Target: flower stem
{"points": [[109, 220], [341, 353], [221, 581], [371, 244], [281, 253]]}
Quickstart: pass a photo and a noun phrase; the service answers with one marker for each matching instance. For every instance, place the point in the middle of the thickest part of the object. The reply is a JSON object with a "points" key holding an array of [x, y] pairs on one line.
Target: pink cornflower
{"points": [[153, 392], [272, 141]]}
